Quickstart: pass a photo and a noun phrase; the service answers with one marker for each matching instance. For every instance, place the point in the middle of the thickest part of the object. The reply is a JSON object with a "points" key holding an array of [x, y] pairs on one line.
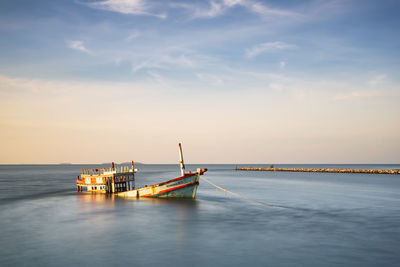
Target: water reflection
{"points": [[88, 201], [138, 221], [108, 200]]}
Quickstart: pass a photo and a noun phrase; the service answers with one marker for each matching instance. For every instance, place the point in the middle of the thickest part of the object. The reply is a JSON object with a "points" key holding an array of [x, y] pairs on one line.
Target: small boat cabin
{"points": [[107, 180]]}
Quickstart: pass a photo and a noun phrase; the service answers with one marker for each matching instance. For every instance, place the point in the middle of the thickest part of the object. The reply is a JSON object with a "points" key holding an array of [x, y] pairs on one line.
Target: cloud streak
{"points": [[258, 8], [128, 7], [268, 47], [79, 46], [218, 8], [282, 65], [358, 94], [214, 9], [376, 80], [133, 35], [164, 62]]}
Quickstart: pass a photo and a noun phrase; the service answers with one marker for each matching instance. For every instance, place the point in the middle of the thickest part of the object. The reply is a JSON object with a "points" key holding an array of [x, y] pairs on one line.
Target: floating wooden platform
{"points": [[370, 171]]}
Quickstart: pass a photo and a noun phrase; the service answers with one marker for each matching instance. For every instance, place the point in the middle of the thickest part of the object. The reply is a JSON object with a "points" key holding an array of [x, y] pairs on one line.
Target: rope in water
{"points": [[237, 195]]}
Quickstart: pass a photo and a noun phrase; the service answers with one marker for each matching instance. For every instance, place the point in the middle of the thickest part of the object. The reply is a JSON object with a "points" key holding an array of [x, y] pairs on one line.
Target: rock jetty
{"points": [[370, 171]]}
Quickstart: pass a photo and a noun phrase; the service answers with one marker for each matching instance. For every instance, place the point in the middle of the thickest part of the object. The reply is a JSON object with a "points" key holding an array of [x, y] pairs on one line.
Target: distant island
{"points": [[106, 163]]}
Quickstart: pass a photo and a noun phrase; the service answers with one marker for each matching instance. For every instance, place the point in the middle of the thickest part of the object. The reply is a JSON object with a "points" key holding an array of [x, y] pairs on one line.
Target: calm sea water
{"points": [[322, 219]]}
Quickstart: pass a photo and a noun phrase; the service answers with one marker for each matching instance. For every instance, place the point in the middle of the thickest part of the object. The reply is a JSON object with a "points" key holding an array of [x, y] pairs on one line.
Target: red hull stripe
{"points": [[184, 176], [170, 189], [179, 178]]}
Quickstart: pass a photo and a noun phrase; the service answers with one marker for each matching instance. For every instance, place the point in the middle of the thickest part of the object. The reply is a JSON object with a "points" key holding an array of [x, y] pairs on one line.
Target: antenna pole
{"points": [[181, 160]]}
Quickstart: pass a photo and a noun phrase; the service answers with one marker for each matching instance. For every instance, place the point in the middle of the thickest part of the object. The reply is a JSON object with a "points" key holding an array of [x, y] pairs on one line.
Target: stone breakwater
{"points": [[371, 171]]}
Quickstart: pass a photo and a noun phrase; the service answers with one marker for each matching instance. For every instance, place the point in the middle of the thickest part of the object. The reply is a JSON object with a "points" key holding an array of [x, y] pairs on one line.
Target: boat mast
{"points": [[181, 160]]}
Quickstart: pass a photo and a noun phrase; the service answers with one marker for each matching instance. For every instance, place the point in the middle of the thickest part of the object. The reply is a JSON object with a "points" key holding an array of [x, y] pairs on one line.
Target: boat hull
{"points": [[185, 192], [181, 187]]}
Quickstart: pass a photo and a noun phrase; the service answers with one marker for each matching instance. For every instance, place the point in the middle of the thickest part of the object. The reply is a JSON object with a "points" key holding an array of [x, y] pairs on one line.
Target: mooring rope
{"points": [[240, 196]]}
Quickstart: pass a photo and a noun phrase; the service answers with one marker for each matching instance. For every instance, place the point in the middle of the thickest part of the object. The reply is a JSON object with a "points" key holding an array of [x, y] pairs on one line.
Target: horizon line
{"points": [[141, 163]]}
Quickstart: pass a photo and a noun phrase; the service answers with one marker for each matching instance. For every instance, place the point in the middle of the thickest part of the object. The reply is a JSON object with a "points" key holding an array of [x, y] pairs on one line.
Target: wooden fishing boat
{"points": [[121, 182], [107, 180], [184, 186]]}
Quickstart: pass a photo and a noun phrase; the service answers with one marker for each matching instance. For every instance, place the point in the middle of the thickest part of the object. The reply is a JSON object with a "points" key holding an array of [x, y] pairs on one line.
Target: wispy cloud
{"points": [[133, 35], [377, 79], [217, 8], [267, 47], [282, 65], [358, 94], [78, 45], [259, 8], [211, 79], [374, 87], [212, 10], [130, 7], [170, 57], [163, 62]]}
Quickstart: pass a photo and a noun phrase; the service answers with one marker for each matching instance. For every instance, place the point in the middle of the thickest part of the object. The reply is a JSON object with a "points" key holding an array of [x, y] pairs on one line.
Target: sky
{"points": [[236, 81]]}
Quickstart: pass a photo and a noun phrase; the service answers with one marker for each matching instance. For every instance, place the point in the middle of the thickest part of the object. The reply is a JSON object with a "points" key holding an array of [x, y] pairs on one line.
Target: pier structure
{"points": [[329, 170]]}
